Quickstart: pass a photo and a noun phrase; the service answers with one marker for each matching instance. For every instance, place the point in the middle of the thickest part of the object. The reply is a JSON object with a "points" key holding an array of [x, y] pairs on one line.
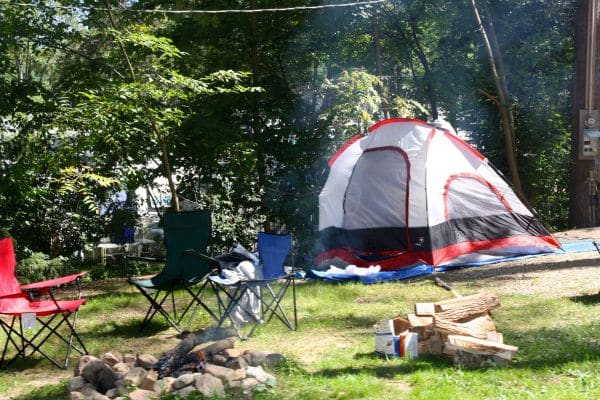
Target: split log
{"points": [[495, 337], [472, 359], [424, 309], [417, 321], [213, 348], [434, 345], [479, 346], [422, 326], [466, 307], [478, 327]]}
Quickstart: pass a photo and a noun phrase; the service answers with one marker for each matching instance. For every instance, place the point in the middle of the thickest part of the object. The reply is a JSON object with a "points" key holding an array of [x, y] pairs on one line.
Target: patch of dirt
{"points": [[551, 275], [400, 385]]}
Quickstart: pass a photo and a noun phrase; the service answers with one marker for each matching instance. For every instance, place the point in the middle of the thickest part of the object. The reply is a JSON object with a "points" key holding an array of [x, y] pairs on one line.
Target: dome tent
{"points": [[410, 193]]}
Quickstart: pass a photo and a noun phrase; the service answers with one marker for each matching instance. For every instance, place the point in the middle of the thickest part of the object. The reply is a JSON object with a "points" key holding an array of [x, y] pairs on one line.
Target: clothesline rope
{"points": [[230, 11]]}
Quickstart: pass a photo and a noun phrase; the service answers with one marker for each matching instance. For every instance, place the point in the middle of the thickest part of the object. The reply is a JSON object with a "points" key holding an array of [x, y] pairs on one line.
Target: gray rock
{"points": [[111, 358], [261, 376], [165, 385], [217, 371], [255, 357], [234, 384], [233, 353], [141, 394], [135, 376], [76, 383], [183, 381], [88, 390], [236, 375], [209, 385], [219, 359], [121, 387], [236, 363], [145, 361], [149, 380], [112, 393], [76, 396], [273, 360], [100, 375], [129, 358], [82, 362], [249, 383], [99, 396], [186, 391], [121, 368]]}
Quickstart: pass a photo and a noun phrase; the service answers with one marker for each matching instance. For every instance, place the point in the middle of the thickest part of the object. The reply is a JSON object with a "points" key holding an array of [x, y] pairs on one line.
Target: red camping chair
{"points": [[24, 303]]}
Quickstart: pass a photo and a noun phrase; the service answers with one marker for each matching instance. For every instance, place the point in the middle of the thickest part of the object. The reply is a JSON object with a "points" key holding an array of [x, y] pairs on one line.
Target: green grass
{"points": [[331, 356]]}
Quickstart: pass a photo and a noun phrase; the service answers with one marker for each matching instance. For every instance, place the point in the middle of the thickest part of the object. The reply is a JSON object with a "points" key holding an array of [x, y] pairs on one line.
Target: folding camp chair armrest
{"points": [[204, 257], [251, 281], [44, 287], [53, 282], [139, 258]]}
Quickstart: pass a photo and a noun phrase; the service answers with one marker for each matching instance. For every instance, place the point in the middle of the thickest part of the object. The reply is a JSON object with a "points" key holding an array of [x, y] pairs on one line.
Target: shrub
{"points": [[40, 266]]}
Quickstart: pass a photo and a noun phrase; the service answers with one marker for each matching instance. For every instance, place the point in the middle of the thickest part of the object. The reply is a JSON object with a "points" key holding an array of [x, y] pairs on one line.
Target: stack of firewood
{"points": [[463, 329]]}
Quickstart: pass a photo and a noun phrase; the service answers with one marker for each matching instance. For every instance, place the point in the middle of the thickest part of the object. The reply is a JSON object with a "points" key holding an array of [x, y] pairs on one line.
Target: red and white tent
{"points": [[411, 193]]}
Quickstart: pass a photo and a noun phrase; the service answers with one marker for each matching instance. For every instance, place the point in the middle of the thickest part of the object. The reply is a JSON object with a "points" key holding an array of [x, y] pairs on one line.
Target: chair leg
{"points": [[294, 301], [275, 305], [233, 302], [175, 319], [8, 329], [40, 338], [156, 306], [270, 300], [196, 299]]}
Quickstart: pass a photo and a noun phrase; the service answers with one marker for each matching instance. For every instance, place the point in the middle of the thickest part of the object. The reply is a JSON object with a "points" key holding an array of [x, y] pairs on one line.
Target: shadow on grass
{"points": [[586, 299], [127, 329], [380, 367], [543, 348], [340, 322], [51, 392], [21, 364], [538, 350]]}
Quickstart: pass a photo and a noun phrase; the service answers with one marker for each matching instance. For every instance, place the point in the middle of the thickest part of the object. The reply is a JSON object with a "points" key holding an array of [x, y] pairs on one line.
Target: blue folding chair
{"points": [[269, 288]]}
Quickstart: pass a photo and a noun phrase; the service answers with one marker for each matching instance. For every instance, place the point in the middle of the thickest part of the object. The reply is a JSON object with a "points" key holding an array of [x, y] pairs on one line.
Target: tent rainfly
{"points": [[410, 193]]}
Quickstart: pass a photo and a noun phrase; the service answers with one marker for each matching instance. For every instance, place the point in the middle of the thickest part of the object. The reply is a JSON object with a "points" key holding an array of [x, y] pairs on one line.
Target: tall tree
{"points": [[502, 100]]}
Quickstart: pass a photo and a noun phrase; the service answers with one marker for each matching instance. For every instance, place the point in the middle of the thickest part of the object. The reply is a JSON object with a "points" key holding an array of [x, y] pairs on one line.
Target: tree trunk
{"points": [[260, 154], [503, 100], [166, 164], [379, 67], [315, 92], [580, 201], [159, 137], [431, 95], [417, 48], [377, 46]]}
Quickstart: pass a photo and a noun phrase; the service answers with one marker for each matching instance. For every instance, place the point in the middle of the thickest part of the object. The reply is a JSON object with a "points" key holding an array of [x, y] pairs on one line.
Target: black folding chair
{"points": [[269, 289], [186, 237]]}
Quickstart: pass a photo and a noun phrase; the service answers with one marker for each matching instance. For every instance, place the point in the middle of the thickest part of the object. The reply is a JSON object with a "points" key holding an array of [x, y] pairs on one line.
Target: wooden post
{"points": [[585, 98]]}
